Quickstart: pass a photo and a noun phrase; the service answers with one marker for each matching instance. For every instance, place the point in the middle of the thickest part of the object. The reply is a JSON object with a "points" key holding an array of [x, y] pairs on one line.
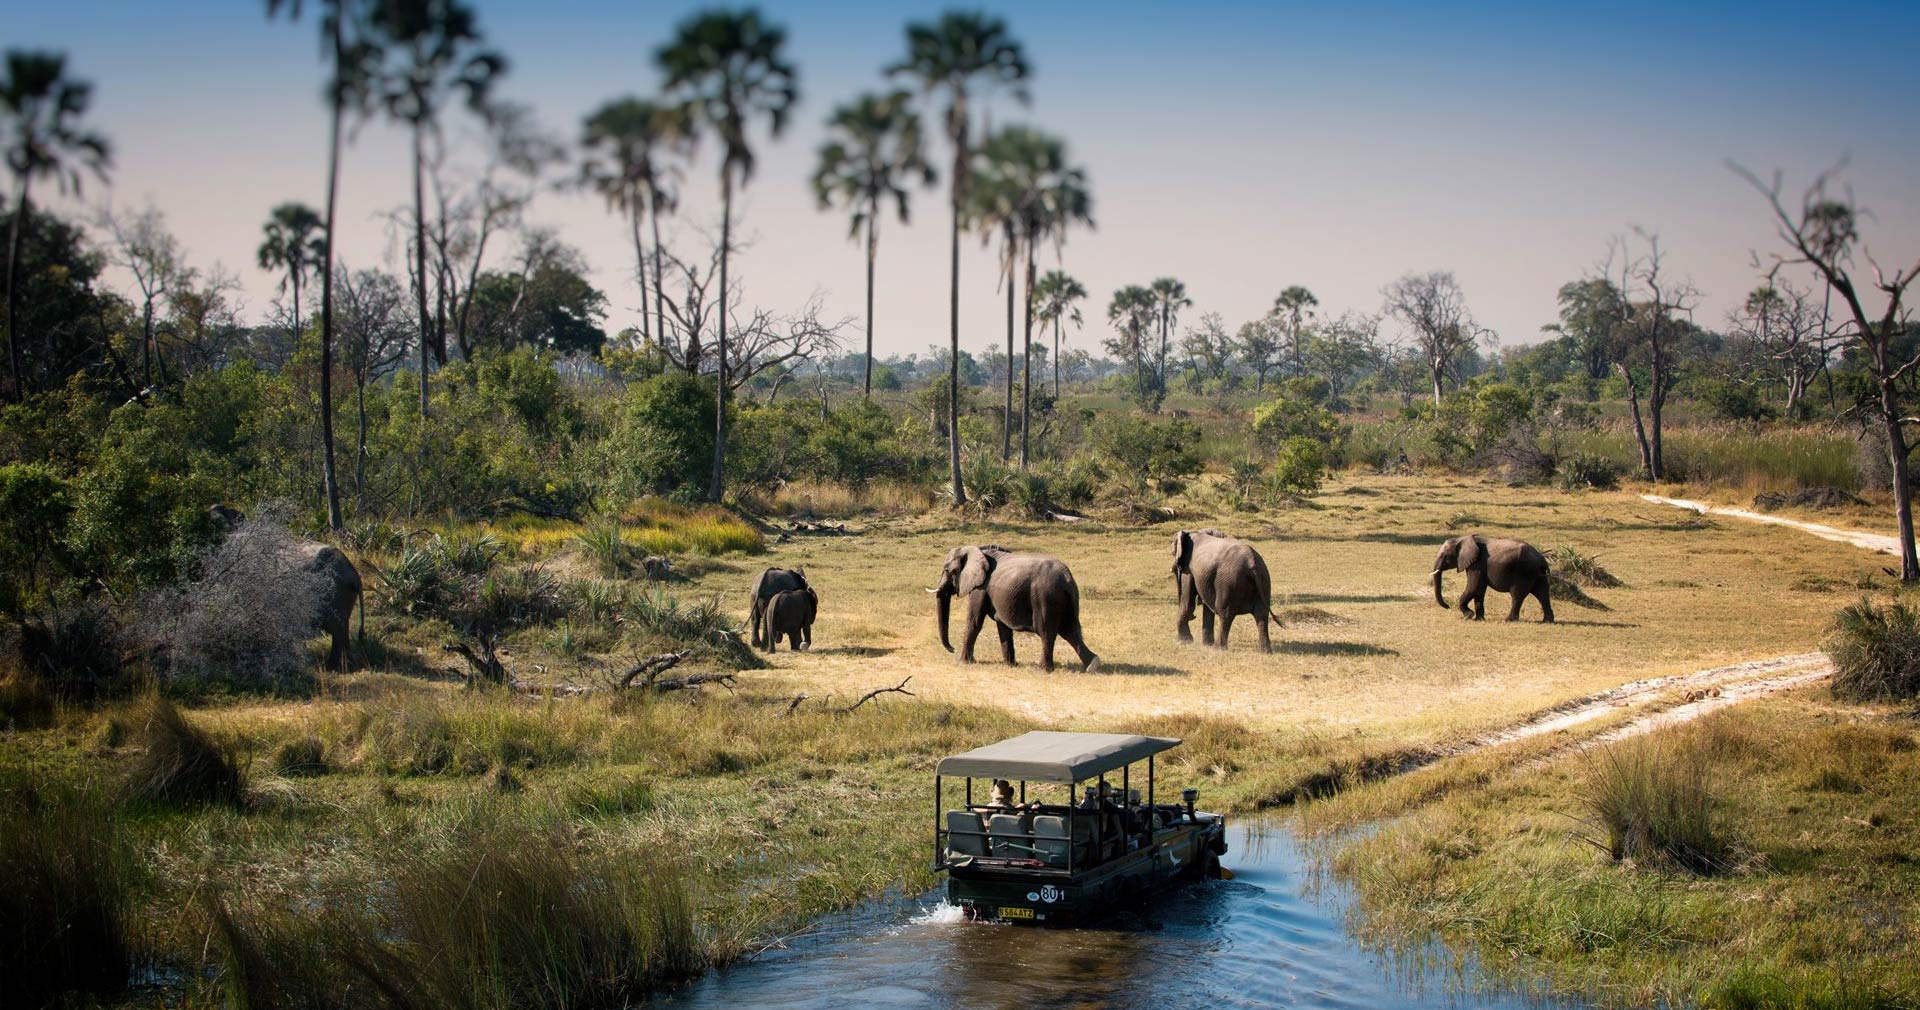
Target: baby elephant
{"points": [[1510, 566], [791, 614]]}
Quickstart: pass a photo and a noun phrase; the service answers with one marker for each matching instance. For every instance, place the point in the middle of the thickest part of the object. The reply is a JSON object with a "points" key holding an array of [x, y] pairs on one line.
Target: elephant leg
{"points": [[1047, 639], [807, 637], [1540, 591], [1006, 642], [1473, 601], [772, 641], [1226, 626], [1185, 625], [753, 627], [976, 615], [1089, 662], [1519, 597], [1260, 621], [1206, 626], [337, 634]]}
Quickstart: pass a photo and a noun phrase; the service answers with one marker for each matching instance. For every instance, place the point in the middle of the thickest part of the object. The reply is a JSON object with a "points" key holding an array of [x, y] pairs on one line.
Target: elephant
{"points": [[766, 586], [1020, 592], [1226, 578], [1510, 566], [344, 588], [791, 614]]}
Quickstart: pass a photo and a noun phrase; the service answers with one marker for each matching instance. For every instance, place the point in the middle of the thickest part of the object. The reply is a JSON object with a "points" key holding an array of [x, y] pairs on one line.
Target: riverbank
{"points": [[718, 821]]}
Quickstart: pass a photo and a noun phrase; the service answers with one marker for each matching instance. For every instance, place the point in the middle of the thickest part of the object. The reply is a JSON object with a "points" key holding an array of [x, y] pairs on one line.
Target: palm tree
{"points": [[1055, 298], [876, 151], [1295, 305], [954, 56], [996, 202], [1169, 296], [624, 141], [295, 243], [1132, 311], [347, 89], [1028, 188], [438, 58], [40, 103], [731, 69]]}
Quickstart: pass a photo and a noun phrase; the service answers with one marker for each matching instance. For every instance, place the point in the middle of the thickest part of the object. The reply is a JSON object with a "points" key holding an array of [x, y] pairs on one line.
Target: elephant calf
{"points": [[1224, 577], [791, 614], [1510, 566], [1020, 592], [768, 584]]}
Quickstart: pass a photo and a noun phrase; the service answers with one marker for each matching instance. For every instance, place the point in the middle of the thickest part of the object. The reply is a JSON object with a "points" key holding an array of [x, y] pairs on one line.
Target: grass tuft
{"points": [[1581, 569], [179, 764], [66, 878], [306, 755], [1655, 807], [1875, 652]]}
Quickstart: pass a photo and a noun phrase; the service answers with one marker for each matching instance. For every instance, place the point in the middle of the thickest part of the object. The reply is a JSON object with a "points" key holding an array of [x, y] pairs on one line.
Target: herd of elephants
{"points": [[1222, 576]]}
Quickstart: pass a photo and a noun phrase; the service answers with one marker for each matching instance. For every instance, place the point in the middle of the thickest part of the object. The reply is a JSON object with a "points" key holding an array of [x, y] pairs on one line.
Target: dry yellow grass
{"points": [[1397, 670]]}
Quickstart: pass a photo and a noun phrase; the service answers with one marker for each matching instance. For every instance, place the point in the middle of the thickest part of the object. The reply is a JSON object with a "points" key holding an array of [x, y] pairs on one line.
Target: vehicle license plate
{"points": [[1016, 913]]}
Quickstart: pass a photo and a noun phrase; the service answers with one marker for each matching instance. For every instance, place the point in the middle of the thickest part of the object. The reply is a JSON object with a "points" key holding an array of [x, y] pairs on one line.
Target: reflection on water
{"points": [[1274, 936]]}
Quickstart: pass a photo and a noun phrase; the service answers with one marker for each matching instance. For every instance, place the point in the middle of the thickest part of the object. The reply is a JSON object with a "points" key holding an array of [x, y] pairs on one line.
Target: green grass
{"points": [[1737, 457], [66, 886]]}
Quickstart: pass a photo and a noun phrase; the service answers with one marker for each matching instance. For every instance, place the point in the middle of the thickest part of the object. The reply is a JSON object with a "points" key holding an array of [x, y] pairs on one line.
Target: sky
{"points": [[1240, 147]]}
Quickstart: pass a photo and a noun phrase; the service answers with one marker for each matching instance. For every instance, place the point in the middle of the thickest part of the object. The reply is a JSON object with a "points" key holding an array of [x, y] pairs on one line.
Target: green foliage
{"points": [[1580, 569], [1875, 652], [1284, 418], [1588, 470], [1655, 807], [34, 508], [179, 764], [1733, 401], [1143, 450], [662, 439], [602, 543], [1299, 464]]}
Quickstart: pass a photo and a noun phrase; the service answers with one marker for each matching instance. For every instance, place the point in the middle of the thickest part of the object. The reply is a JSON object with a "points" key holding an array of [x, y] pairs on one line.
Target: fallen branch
{"points": [[795, 703], [692, 681], [652, 667], [1065, 517], [901, 688]]}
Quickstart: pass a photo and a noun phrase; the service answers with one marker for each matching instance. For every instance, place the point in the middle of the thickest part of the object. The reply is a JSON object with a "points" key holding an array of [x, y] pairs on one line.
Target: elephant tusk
{"points": [[1436, 571], [935, 592]]}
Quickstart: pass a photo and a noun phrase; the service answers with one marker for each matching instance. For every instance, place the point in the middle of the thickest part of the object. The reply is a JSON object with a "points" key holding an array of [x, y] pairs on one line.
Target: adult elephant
{"points": [[344, 590], [767, 585], [1509, 566], [1225, 577], [1020, 592]]}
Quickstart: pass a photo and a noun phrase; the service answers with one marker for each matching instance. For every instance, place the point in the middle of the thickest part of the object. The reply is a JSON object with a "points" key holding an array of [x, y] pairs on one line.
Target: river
{"points": [[1274, 936]]}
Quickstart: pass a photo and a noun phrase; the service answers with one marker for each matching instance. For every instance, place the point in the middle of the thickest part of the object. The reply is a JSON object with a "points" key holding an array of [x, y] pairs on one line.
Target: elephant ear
{"points": [[973, 574], [1473, 552], [1182, 550]]}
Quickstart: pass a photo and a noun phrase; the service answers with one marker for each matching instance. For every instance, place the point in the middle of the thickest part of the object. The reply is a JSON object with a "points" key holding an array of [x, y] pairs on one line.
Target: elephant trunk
{"points": [[943, 601], [1437, 598]]}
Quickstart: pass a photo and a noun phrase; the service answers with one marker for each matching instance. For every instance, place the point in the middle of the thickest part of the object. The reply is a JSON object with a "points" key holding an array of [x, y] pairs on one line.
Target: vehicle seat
{"points": [[1051, 839], [965, 834], [1008, 836]]}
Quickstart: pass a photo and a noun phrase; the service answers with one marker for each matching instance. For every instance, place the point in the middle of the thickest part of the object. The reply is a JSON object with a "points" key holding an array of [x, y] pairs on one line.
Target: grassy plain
{"points": [[769, 816]]}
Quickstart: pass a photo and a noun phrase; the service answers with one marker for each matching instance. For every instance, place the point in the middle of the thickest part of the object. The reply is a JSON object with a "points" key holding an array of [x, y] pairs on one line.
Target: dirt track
{"points": [[1871, 541]]}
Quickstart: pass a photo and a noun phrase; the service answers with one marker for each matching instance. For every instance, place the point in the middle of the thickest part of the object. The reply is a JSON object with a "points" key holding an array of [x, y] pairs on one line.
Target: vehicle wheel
{"points": [[1218, 845]]}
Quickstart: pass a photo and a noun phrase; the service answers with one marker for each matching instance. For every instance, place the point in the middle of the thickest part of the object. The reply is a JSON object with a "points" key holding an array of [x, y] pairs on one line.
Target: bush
{"points": [[1299, 465], [1588, 470], [179, 764], [1733, 401], [1654, 805], [1278, 421], [602, 544], [245, 622], [1580, 569], [73, 649], [1875, 652], [662, 440], [33, 515], [1163, 452], [701, 624], [66, 881]]}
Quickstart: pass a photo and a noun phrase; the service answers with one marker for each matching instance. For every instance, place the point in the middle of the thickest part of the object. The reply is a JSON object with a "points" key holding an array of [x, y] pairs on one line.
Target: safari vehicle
{"points": [[1060, 861]]}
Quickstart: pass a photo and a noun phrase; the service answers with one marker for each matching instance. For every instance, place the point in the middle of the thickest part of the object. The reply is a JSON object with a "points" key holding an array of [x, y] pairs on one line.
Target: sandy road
{"points": [[1871, 541]]}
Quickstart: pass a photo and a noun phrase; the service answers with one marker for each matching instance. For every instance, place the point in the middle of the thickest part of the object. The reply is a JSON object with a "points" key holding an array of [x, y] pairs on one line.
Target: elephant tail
{"points": [[360, 600]]}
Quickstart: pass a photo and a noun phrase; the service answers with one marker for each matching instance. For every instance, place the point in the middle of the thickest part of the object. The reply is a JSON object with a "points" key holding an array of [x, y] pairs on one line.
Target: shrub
{"points": [[1299, 465], [33, 514], [1875, 652], [1588, 470], [1654, 805], [178, 763], [1163, 452], [602, 544], [1733, 401], [662, 439], [245, 622], [1580, 569], [1278, 421], [66, 880], [72, 649]]}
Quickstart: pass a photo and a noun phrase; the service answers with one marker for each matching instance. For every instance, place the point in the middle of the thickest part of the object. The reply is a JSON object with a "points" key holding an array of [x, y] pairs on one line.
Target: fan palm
{"points": [[295, 243], [40, 104], [626, 144], [960, 54], [431, 53], [876, 149], [1133, 311], [347, 89], [1169, 296], [731, 68], [1295, 305], [1055, 298]]}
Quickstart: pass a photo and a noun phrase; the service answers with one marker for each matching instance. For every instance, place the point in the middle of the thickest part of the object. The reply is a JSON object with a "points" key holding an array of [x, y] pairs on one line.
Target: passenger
{"points": [[1002, 794]]}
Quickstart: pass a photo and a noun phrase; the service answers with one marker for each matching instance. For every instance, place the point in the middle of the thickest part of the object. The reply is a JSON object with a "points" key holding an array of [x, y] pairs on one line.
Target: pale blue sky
{"points": [[1240, 147]]}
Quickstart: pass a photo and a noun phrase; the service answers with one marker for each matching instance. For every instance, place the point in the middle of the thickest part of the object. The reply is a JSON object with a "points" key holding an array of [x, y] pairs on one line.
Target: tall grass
{"points": [[178, 763], [1739, 458], [1875, 652], [665, 527], [1654, 805], [66, 879]]}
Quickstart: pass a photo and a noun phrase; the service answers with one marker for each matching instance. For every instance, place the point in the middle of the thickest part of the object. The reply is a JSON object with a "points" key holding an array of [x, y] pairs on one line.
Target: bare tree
{"points": [[141, 244], [1824, 234], [1651, 310], [372, 317], [203, 323], [1434, 310], [1786, 328], [767, 340], [1259, 343]]}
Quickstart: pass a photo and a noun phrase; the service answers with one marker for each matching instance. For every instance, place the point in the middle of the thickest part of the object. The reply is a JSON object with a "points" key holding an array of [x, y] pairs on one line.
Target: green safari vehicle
{"points": [[1057, 860]]}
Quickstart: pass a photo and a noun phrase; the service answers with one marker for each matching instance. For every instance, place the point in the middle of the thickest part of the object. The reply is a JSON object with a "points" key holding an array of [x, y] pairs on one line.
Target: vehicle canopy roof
{"points": [[1050, 756]]}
